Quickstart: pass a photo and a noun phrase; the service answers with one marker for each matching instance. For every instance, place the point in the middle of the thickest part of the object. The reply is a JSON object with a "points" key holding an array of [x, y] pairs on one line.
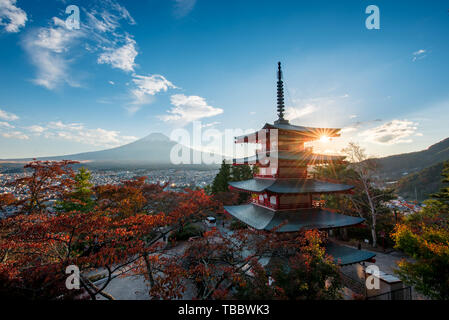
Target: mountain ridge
{"points": [[153, 149], [397, 166]]}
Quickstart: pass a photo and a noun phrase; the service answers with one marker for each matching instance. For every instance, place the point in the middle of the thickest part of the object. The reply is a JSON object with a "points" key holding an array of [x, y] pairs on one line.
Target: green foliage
{"points": [[220, 183], [420, 185], [81, 197], [443, 194], [230, 173], [424, 236]]}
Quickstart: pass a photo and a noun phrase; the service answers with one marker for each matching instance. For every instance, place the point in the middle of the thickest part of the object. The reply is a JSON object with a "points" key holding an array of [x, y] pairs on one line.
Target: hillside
{"points": [[419, 185], [397, 166]]}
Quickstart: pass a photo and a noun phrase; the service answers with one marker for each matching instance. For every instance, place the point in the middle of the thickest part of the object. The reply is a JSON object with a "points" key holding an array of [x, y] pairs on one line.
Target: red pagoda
{"points": [[283, 190]]}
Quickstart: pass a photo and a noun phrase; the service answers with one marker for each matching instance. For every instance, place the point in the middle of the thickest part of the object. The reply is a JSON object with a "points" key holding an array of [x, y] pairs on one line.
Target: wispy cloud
{"points": [[8, 116], [53, 49], [189, 108], [6, 125], [183, 7], [293, 113], [12, 18], [390, 133], [78, 132], [48, 49], [15, 135], [420, 54]]}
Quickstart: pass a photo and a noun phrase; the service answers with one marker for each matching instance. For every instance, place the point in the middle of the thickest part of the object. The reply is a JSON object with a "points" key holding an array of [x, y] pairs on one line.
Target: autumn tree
{"points": [[307, 274], [122, 229], [47, 181], [424, 236], [223, 266]]}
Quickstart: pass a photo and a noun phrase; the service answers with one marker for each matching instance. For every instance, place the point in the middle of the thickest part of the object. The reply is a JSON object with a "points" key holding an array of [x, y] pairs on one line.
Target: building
{"points": [[284, 196]]}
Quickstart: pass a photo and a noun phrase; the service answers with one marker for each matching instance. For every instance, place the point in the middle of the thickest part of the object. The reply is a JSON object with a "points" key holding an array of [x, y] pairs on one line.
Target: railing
{"points": [[399, 294], [356, 286]]}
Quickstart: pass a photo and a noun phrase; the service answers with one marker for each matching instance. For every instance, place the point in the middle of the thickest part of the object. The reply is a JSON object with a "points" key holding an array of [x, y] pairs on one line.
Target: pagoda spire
{"points": [[280, 96]]}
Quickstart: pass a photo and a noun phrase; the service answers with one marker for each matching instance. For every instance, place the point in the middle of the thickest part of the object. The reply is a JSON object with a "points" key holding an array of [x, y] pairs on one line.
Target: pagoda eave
{"points": [[290, 186], [289, 159], [261, 218]]}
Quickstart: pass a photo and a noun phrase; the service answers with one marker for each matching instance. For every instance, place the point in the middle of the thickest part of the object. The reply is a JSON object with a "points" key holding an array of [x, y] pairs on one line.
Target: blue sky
{"points": [[137, 67]]}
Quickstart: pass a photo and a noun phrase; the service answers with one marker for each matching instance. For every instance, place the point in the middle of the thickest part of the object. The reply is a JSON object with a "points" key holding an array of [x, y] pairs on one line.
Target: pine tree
{"points": [[222, 179], [443, 194], [80, 198]]}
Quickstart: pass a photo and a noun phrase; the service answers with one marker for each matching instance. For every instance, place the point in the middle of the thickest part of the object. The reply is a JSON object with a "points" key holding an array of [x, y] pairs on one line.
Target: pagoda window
{"points": [[273, 200]]}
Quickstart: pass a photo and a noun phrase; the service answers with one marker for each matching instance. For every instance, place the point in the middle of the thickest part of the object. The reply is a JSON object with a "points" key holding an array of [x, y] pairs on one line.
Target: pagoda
{"points": [[283, 191]]}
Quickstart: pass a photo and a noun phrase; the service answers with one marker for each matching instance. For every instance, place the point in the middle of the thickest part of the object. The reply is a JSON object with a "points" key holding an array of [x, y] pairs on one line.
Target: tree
{"points": [[424, 236], [365, 200], [120, 232], [305, 274], [223, 266], [81, 197], [221, 180], [48, 179]]}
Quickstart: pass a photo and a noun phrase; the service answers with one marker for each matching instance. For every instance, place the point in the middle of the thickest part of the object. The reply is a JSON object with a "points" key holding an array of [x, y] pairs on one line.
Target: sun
{"points": [[325, 139]]}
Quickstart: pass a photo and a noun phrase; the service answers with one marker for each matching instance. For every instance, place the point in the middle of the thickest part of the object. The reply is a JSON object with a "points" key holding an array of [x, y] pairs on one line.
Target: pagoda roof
{"points": [[344, 255], [291, 186], [302, 156], [261, 218], [311, 132], [330, 132]]}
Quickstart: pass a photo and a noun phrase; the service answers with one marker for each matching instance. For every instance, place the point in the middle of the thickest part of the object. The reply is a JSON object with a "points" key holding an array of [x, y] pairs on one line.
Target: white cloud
{"points": [[6, 125], [420, 54], [183, 7], [48, 48], [122, 57], [189, 108], [53, 49], [393, 132], [12, 17], [8, 116], [292, 113], [77, 132], [15, 135], [349, 129], [148, 86], [37, 130]]}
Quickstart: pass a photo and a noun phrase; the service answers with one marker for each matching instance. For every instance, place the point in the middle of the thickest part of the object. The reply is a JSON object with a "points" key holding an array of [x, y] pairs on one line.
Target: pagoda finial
{"points": [[280, 95]]}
